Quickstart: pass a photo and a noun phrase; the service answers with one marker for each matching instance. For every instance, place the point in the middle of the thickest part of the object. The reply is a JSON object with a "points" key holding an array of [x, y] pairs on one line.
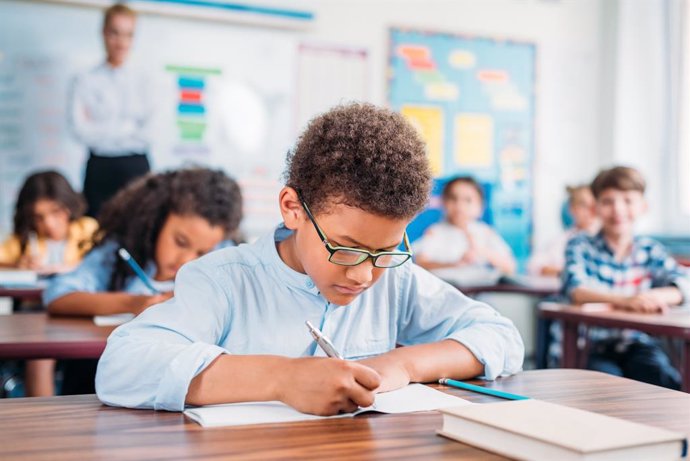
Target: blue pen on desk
{"points": [[126, 257], [481, 390]]}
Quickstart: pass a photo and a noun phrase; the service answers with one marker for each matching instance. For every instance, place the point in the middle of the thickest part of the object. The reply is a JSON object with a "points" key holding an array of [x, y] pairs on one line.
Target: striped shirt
{"points": [[591, 264]]}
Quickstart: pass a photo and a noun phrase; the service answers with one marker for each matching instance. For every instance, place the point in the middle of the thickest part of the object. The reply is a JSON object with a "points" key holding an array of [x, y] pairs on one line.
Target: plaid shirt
{"points": [[590, 263]]}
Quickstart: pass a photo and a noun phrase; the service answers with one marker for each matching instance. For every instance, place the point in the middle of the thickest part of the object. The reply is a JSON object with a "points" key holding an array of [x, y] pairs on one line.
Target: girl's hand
{"points": [[148, 301], [30, 262]]}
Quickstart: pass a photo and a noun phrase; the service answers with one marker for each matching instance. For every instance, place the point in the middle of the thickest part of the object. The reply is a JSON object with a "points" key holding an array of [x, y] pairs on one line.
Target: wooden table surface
{"points": [[22, 293], [40, 336], [674, 324], [79, 427]]}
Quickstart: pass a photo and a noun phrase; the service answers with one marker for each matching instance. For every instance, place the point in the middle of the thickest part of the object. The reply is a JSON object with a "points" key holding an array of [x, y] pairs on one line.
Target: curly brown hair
{"points": [[44, 185], [135, 215], [362, 156], [619, 177]]}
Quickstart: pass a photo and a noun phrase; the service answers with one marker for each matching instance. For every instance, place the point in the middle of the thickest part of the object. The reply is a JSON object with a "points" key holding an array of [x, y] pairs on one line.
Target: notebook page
{"points": [[415, 397]]}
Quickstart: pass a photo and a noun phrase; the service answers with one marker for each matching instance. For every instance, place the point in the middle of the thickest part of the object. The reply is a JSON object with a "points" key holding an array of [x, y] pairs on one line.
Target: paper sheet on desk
{"points": [[414, 397], [112, 320]]}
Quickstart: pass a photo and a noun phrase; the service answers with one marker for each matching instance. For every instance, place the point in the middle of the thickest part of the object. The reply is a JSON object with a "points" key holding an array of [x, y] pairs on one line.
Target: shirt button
{"points": [[309, 284]]}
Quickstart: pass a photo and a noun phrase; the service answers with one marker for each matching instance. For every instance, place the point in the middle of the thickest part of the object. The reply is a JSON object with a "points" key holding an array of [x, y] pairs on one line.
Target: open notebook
{"points": [[414, 397], [112, 320]]}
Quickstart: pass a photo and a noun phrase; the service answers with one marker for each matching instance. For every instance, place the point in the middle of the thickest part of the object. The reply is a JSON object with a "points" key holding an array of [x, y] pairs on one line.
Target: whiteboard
{"points": [[249, 78]]}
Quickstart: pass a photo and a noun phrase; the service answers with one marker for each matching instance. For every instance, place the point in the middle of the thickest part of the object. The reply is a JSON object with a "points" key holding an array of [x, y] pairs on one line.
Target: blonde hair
{"points": [[573, 191], [117, 9]]}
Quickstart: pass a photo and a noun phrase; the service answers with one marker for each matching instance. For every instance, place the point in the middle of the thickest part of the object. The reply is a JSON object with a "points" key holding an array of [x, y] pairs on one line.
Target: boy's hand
{"points": [[393, 374], [326, 386], [648, 303]]}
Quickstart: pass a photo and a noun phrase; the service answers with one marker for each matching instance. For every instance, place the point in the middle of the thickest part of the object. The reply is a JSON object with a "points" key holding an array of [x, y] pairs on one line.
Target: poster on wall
{"points": [[472, 101], [224, 98]]}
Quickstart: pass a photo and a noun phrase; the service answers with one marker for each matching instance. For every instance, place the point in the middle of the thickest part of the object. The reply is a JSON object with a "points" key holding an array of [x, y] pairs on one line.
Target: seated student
{"points": [[549, 261], [463, 240], [631, 273], [164, 221], [235, 330], [51, 235], [51, 232]]}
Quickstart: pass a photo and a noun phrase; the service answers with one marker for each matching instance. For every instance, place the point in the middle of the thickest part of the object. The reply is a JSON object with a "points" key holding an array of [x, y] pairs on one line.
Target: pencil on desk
{"points": [[481, 390]]}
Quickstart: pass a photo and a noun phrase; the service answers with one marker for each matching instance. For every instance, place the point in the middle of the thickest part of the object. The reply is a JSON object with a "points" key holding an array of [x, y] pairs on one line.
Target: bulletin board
{"points": [[472, 100]]}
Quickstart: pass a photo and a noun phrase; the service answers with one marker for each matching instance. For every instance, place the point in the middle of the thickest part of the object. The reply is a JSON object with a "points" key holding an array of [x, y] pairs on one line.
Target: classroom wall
{"points": [[568, 35], [571, 38]]}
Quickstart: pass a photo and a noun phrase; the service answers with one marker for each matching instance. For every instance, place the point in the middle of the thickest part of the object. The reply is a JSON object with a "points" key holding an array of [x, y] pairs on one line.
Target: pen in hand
{"points": [[323, 342], [126, 257]]}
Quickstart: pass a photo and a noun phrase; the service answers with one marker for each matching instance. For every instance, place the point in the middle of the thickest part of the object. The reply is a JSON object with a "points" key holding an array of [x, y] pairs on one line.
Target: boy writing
{"points": [[235, 329], [631, 273]]}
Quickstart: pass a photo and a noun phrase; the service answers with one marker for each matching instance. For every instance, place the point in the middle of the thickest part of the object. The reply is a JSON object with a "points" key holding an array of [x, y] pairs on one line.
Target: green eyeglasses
{"points": [[346, 256]]}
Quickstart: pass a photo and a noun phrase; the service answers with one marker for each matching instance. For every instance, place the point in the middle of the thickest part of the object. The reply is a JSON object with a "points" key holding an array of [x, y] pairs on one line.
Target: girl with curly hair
{"points": [[164, 221]]}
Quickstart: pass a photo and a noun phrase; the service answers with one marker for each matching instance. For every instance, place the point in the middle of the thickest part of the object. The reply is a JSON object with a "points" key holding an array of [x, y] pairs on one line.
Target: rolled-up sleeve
{"points": [[91, 275], [150, 361], [434, 311]]}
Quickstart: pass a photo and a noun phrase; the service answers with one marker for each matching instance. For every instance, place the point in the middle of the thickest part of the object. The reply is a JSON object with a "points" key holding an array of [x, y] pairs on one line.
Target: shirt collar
{"points": [[291, 277], [600, 243]]}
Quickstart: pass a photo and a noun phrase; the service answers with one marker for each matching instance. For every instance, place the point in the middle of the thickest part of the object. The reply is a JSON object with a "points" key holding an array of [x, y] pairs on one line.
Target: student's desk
{"points": [[79, 427], [28, 293], [40, 336], [674, 324], [539, 287], [536, 291]]}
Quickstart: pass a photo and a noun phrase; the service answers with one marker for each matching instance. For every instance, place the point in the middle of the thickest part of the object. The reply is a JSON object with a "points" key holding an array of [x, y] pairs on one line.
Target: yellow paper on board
{"points": [[428, 121], [474, 140]]}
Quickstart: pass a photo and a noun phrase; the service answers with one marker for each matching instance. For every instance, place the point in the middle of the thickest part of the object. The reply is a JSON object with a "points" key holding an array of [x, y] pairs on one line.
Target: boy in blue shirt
{"points": [[235, 329], [631, 273]]}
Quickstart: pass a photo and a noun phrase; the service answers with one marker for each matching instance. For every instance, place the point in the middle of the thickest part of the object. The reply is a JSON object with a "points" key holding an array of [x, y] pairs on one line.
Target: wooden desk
{"points": [[674, 324], [537, 291], [40, 336], [79, 427], [23, 293]]}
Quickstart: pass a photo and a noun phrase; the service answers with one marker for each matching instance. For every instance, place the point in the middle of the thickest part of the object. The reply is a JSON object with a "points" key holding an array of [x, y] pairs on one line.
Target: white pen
{"points": [[323, 342]]}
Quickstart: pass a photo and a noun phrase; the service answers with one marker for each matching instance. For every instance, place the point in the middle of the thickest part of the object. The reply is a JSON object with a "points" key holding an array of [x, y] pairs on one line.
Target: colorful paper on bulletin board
{"points": [[474, 142], [428, 121], [485, 90]]}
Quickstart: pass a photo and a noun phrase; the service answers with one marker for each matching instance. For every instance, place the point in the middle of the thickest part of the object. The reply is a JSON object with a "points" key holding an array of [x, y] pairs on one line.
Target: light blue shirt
{"points": [[93, 274], [246, 300]]}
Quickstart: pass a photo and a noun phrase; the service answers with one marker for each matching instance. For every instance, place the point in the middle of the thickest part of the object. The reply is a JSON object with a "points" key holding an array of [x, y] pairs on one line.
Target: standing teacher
{"points": [[109, 110]]}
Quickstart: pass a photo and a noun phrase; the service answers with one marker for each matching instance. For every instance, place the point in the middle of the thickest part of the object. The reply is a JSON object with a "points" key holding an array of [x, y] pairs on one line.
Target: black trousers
{"points": [[79, 376], [105, 176], [643, 361]]}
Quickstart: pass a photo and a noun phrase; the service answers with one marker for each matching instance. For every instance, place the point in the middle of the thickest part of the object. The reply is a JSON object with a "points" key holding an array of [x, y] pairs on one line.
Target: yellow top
{"points": [[77, 244]]}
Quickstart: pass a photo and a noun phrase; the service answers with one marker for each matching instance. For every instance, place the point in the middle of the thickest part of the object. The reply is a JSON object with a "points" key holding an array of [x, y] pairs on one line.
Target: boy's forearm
{"points": [[586, 295], [443, 359], [237, 378], [670, 295]]}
